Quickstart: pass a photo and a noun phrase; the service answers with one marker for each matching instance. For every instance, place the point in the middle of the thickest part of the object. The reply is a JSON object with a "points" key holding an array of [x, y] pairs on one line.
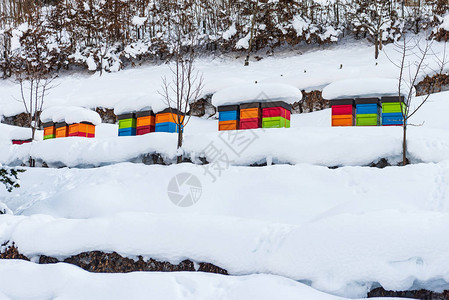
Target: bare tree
{"points": [[186, 83], [32, 66], [412, 65]]}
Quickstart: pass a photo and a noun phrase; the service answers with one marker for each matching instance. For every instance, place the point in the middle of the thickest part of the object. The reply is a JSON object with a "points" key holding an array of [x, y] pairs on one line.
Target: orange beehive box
{"points": [[83, 129], [228, 125], [49, 130], [168, 117], [146, 121], [343, 120], [250, 113], [62, 130]]}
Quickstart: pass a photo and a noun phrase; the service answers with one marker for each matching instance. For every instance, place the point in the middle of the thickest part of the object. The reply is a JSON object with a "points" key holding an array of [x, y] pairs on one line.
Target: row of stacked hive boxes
{"points": [[62, 129], [168, 120], [254, 115], [367, 111], [144, 122]]}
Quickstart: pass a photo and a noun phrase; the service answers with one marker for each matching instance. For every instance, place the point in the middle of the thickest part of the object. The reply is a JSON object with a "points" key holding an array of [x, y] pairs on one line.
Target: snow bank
{"points": [[344, 254], [319, 146], [70, 115], [361, 87], [135, 105], [21, 279], [260, 92]]}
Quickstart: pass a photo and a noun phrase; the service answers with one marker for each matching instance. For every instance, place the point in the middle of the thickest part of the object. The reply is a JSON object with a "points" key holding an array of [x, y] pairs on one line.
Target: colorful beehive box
{"points": [[276, 114], [168, 119], [368, 111], [250, 116], [228, 117], [20, 142], [49, 130], [83, 129], [392, 108], [61, 129], [343, 112], [145, 122], [127, 124]]}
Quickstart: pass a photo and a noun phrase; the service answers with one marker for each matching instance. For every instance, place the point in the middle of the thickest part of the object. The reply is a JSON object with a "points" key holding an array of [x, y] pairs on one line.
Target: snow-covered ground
{"points": [[24, 280], [341, 231]]}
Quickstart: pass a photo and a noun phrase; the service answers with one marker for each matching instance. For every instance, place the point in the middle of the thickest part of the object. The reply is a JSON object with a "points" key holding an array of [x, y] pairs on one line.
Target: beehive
{"points": [[367, 111], [20, 142], [228, 117], [49, 130], [392, 108], [62, 129], [276, 114], [168, 119], [83, 129], [343, 112], [145, 122], [127, 124], [250, 116]]}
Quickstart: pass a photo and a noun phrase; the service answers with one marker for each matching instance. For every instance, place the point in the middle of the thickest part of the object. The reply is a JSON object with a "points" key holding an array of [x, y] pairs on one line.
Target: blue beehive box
{"points": [[127, 131], [166, 127], [228, 115], [372, 108], [392, 119]]}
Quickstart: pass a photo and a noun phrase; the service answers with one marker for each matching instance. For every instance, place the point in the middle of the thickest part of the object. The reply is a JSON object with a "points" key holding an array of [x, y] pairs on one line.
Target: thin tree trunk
{"points": [[404, 144], [376, 46], [179, 157]]}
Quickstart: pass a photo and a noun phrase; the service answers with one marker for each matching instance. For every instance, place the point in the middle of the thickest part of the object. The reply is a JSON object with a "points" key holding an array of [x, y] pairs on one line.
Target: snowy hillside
{"points": [[292, 213]]}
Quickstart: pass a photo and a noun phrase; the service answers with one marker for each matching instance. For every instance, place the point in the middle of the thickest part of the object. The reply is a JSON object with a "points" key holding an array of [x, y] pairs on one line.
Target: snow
{"points": [[91, 64], [230, 32], [138, 21], [134, 105], [20, 134], [243, 43], [70, 115], [296, 221], [361, 87], [26, 280], [445, 23], [259, 92]]}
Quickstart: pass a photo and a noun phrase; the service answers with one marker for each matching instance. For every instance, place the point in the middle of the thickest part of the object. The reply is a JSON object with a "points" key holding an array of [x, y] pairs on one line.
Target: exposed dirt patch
{"points": [[418, 294], [101, 262]]}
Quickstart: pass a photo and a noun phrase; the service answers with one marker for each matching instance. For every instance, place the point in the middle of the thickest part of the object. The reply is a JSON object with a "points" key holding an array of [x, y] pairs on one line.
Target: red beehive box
{"points": [[276, 109], [146, 122], [20, 142], [145, 129], [343, 110]]}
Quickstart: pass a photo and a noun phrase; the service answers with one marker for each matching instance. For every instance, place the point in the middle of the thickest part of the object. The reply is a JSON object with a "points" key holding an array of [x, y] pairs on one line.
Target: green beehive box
{"points": [[367, 120], [127, 123], [392, 107], [275, 122], [50, 136]]}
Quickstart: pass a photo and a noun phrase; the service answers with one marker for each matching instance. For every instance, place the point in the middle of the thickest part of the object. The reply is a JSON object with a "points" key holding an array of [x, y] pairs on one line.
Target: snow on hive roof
{"points": [[70, 115], [260, 92], [135, 105], [20, 134], [361, 87]]}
